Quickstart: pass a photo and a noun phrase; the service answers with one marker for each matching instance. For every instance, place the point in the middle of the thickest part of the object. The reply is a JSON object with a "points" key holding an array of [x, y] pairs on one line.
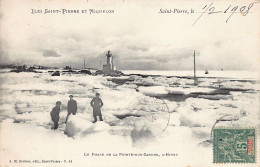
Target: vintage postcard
{"points": [[128, 83]]}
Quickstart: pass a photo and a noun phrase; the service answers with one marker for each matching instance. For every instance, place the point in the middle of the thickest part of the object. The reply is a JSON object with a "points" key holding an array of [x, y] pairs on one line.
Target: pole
{"points": [[194, 69], [84, 64]]}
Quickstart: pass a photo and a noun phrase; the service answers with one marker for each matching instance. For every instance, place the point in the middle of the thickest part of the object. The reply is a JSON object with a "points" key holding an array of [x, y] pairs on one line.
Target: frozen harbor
{"points": [[148, 111]]}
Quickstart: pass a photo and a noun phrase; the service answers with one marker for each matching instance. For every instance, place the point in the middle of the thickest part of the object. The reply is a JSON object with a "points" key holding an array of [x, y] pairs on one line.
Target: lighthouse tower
{"points": [[110, 65], [109, 58]]}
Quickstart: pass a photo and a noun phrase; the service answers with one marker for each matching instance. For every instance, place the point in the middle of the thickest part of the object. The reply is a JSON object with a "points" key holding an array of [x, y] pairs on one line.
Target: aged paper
{"points": [[129, 83]]}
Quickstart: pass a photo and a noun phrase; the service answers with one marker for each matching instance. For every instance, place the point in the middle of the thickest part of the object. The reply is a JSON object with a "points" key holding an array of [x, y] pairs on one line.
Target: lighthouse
{"points": [[109, 69], [110, 64]]}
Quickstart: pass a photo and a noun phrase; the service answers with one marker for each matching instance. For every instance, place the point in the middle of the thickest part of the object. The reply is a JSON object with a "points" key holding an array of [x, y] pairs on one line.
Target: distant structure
{"points": [[206, 71], [67, 68], [109, 67]]}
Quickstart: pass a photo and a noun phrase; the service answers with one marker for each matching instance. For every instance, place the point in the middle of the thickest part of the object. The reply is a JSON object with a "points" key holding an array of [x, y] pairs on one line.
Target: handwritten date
{"points": [[210, 9]]}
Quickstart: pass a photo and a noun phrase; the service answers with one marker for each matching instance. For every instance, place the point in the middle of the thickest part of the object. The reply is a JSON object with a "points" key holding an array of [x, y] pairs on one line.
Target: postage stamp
{"points": [[234, 145]]}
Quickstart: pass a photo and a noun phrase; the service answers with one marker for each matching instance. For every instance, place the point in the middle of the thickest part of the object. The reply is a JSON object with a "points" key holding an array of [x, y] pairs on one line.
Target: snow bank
{"points": [[182, 91], [177, 90], [162, 90], [237, 85], [101, 126], [22, 108], [175, 119], [77, 91], [116, 99], [153, 90], [76, 125], [35, 117]]}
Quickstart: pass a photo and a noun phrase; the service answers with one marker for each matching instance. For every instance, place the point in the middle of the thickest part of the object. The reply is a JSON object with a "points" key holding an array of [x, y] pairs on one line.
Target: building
{"points": [[109, 67]]}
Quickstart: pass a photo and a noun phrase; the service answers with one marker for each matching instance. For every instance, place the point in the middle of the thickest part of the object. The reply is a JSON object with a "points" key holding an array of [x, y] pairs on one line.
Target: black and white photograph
{"points": [[127, 83]]}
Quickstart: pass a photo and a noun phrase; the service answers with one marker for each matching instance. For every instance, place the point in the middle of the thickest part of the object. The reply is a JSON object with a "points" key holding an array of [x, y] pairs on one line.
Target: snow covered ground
{"points": [[152, 115], [213, 73]]}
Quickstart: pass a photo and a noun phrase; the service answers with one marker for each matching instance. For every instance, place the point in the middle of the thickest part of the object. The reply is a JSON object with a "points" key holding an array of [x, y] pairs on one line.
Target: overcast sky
{"points": [[137, 35]]}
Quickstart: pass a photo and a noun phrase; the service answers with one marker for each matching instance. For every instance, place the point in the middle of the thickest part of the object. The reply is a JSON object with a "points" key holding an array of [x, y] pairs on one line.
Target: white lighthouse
{"points": [[110, 64]]}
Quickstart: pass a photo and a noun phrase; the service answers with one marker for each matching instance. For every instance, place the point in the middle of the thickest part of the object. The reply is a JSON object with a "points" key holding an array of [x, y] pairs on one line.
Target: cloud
{"points": [[4, 58], [138, 48], [50, 53]]}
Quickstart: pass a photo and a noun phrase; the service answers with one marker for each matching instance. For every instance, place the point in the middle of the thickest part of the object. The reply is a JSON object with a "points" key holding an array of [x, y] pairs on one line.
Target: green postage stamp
{"points": [[234, 145]]}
